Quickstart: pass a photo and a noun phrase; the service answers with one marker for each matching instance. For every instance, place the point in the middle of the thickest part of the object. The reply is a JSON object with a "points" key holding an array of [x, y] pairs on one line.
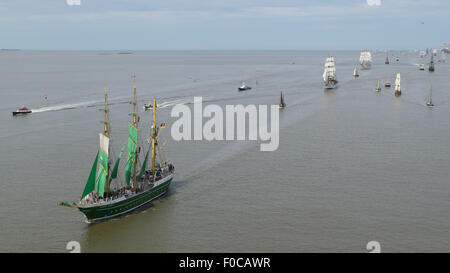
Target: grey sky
{"points": [[223, 24]]}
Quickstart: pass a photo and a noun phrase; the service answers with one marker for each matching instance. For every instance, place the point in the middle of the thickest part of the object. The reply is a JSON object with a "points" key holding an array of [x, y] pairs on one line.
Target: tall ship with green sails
{"points": [[102, 198]]}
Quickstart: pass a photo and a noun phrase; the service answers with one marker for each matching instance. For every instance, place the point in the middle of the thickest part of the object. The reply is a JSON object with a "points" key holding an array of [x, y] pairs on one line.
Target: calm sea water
{"points": [[353, 165]]}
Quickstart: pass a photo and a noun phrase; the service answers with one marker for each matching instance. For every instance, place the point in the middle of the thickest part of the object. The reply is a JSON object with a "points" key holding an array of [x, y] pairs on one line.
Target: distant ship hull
{"points": [[149, 106], [114, 209], [244, 88], [331, 84], [21, 112], [366, 65]]}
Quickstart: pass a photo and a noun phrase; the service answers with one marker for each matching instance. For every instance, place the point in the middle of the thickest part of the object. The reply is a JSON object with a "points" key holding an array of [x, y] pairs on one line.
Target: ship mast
{"points": [[106, 133], [135, 126], [154, 137]]}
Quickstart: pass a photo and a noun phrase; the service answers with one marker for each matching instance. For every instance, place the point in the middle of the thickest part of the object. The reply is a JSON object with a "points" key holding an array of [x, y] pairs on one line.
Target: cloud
{"points": [[374, 2]]}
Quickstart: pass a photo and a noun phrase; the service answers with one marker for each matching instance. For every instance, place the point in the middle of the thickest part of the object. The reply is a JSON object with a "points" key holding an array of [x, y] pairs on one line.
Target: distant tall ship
{"points": [[387, 59], [398, 89], [329, 73], [103, 197], [431, 65], [365, 59]]}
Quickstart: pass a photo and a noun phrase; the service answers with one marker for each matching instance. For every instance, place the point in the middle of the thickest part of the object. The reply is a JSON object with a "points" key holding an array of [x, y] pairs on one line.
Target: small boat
{"points": [[397, 59], [21, 111], [281, 103], [244, 87], [398, 89], [378, 89], [355, 72], [387, 83], [430, 102], [421, 67], [149, 106]]}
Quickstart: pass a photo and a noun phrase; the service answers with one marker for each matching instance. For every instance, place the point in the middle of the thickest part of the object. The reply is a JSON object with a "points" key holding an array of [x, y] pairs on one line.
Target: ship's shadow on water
{"points": [[174, 187]]}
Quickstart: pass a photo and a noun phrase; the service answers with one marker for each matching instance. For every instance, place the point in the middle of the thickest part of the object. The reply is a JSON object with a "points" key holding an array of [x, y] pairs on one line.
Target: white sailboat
{"points": [[355, 72], [365, 59], [398, 89], [430, 102], [443, 57], [378, 89], [329, 73]]}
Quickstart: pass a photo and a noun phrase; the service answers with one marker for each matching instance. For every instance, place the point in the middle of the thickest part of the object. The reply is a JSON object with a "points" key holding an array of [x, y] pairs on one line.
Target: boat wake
{"points": [[170, 103], [67, 106]]}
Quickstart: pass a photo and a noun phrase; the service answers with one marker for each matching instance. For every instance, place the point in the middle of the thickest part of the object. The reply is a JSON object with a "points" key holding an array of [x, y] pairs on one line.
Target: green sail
{"points": [[103, 173], [144, 164], [132, 146], [90, 183], [116, 165]]}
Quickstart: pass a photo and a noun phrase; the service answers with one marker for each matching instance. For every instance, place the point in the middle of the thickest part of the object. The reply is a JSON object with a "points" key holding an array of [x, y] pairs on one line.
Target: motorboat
{"points": [[21, 111], [244, 87]]}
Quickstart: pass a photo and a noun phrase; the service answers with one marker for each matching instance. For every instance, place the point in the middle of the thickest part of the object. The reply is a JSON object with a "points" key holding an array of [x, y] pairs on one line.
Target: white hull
{"points": [[330, 85], [366, 65]]}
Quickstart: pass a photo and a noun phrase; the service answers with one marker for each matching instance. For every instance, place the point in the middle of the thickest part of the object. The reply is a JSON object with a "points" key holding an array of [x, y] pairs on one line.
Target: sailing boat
{"points": [[430, 102], [281, 103], [387, 83], [398, 90], [378, 89], [431, 65], [355, 72], [365, 59], [387, 59], [442, 59], [329, 73], [99, 199]]}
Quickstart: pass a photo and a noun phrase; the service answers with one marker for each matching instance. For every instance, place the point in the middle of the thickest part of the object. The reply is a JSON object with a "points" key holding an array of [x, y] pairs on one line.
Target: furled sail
{"points": [[116, 166], [132, 147], [90, 183], [103, 153]]}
